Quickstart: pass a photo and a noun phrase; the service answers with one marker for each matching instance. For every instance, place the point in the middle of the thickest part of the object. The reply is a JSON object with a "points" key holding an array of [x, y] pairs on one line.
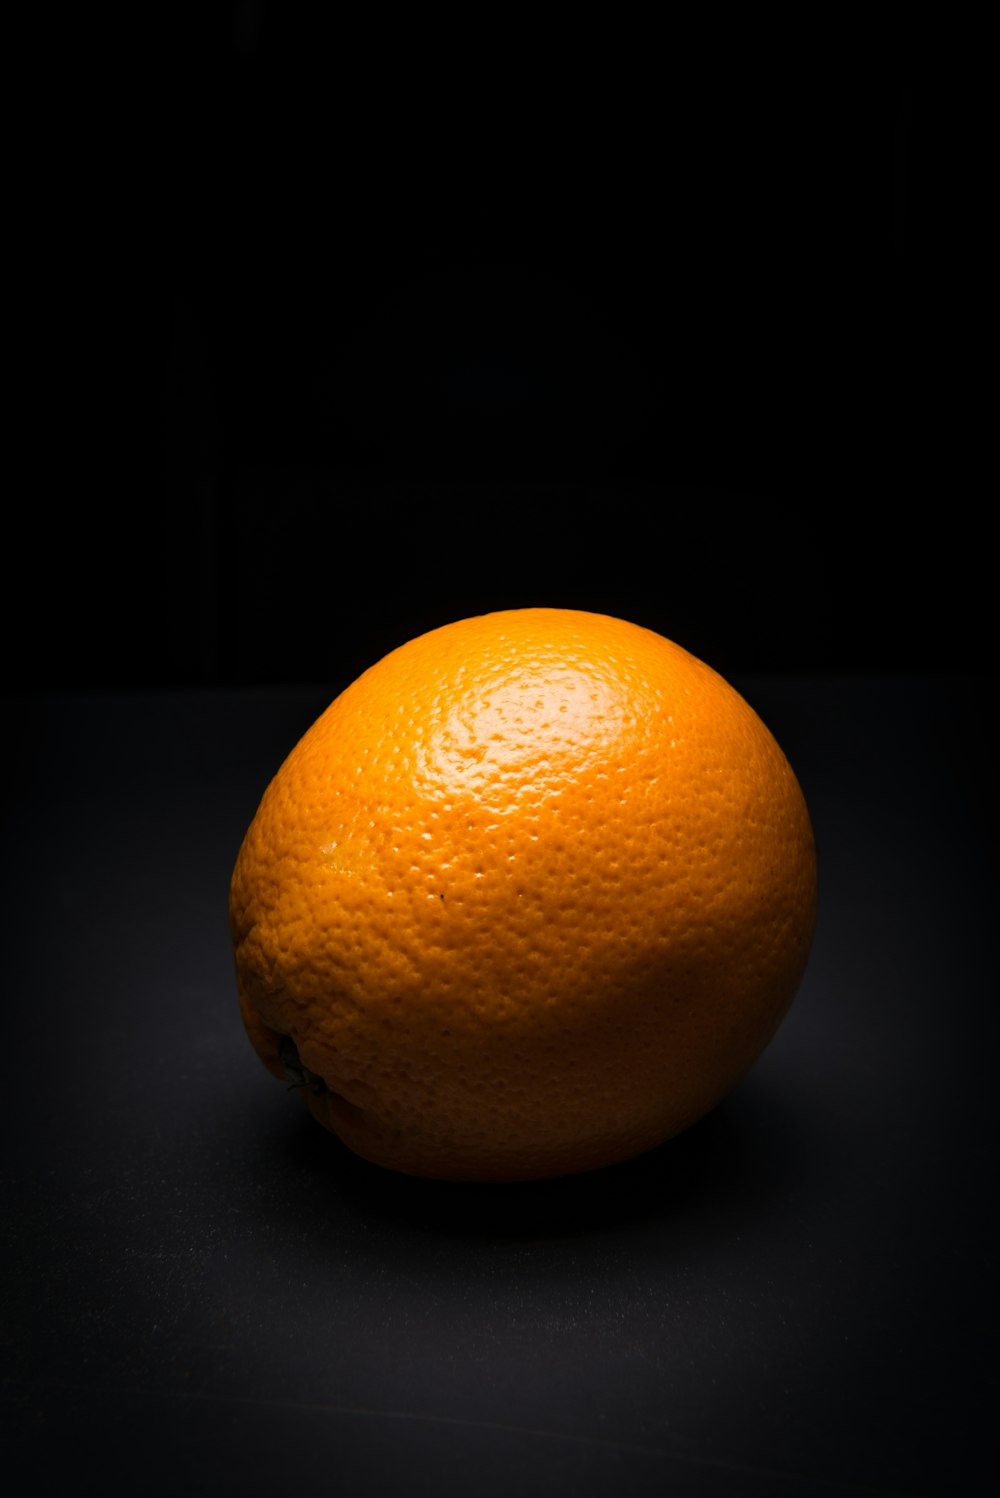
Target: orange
{"points": [[527, 899]]}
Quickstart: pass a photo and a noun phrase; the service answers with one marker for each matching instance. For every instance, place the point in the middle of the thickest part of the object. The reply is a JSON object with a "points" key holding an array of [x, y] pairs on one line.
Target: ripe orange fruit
{"points": [[528, 898]]}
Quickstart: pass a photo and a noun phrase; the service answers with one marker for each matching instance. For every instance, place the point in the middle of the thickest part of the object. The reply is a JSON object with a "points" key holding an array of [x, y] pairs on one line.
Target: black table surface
{"points": [[204, 1292]]}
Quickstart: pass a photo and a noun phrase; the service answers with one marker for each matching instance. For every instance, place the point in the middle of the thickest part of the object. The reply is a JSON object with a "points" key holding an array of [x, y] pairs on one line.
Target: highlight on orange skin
{"points": [[528, 898]]}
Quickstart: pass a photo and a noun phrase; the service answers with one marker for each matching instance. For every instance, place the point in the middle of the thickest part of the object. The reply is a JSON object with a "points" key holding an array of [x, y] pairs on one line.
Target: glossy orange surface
{"points": [[528, 898]]}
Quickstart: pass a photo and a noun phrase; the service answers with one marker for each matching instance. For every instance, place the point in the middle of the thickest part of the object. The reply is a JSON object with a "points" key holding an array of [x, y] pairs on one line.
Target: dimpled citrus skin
{"points": [[529, 898]]}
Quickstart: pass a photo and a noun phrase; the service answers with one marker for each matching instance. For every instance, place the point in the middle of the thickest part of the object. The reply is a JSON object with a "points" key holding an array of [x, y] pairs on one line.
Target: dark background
{"points": [[362, 329], [334, 336]]}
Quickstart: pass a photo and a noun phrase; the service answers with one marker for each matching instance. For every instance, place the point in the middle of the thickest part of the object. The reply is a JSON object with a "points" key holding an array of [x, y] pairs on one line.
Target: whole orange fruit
{"points": [[528, 898]]}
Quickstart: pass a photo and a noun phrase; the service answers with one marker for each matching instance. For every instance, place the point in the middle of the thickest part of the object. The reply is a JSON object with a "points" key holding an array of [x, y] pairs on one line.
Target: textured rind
{"points": [[530, 896]]}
